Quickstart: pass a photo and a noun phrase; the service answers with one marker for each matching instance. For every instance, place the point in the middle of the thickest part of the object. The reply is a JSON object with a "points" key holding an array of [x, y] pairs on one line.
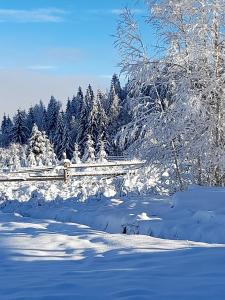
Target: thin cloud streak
{"points": [[113, 11], [41, 67], [51, 15]]}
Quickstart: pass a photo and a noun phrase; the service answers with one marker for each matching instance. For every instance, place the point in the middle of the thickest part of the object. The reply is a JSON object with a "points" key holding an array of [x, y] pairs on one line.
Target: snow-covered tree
{"points": [[19, 132], [36, 145], [102, 155], [49, 156], [184, 129], [86, 117], [89, 152], [40, 116], [31, 160], [76, 155], [52, 116], [23, 157], [6, 128], [62, 139]]}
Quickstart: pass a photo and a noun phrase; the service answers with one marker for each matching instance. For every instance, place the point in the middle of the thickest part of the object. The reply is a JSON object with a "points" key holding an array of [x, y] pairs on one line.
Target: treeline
{"points": [[97, 117]]}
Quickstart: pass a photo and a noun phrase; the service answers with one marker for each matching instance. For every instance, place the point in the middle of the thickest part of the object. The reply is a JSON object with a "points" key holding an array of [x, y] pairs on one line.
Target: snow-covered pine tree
{"points": [[14, 157], [36, 145], [6, 128], [76, 104], [30, 120], [113, 118], [114, 103], [85, 120], [76, 155], [31, 160], [69, 142], [73, 129], [19, 132], [102, 155], [115, 82], [68, 112], [49, 157], [40, 116], [23, 156], [52, 114], [62, 140], [59, 137], [89, 152]]}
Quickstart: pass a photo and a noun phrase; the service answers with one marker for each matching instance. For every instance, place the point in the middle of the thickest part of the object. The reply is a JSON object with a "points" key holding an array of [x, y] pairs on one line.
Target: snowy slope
{"points": [[46, 260]]}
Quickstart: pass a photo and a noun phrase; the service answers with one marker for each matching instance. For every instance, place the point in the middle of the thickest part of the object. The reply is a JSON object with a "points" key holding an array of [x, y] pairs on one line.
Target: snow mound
{"points": [[197, 214], [200, 198]]}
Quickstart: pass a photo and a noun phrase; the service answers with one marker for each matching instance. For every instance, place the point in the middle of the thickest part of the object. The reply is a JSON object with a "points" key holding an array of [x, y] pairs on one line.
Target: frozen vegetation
{"points": [[151, 224]]}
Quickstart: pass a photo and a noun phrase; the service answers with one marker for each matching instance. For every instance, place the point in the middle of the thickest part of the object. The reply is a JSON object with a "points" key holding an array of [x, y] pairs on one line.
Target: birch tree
{"points": [[182, 122]]}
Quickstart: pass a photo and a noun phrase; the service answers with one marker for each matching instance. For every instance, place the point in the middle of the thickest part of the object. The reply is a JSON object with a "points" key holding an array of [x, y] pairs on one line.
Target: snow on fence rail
{"points": [[81, 170]]}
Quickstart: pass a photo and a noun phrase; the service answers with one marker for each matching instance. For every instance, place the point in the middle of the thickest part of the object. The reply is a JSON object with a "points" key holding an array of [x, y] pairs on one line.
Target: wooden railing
{"points": [[118, 168]]}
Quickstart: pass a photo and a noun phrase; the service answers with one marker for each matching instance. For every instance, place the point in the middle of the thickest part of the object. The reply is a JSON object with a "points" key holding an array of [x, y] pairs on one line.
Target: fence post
{"points": [[66, 172]]}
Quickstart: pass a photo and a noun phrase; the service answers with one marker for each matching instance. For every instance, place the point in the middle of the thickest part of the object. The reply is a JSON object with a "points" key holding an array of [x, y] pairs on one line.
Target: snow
{"points": [[120, 247], [46, 259], [197, 214]]}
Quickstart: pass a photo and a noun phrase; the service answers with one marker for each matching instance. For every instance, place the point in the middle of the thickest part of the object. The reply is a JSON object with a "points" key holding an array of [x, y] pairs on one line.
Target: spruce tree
{"points": [[76, 155], [63, 142], [36, 145], [52, 117], [6, 128], [89, 152], [102, 155], [85, 120], [19, 133]]}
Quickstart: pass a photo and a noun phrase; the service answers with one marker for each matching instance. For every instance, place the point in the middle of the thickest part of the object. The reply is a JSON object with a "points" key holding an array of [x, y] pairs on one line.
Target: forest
{"points": [[43, 134]]}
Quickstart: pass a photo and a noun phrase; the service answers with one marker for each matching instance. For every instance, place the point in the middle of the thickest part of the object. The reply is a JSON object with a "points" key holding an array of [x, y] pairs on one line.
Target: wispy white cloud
{"points": [[52, 15], [41, 67], [115, 11], [133, 11]]}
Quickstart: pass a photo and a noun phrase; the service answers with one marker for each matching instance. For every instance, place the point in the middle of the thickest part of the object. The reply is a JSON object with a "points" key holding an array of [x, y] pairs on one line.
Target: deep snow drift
{"points": [[197, 214], [49, 260]]}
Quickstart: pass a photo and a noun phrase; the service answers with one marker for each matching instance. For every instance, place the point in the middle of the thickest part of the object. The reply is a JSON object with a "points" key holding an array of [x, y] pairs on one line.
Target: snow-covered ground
{"points": [[50, 260], [173, 247], [197, 214]]}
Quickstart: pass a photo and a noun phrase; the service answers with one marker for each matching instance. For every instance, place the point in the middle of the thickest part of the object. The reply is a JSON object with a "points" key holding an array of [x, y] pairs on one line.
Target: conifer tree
{"points": [[102, 155], [6, 128], [89, 152], [19, 133], [36, 145], [52, 117], [85, 120], [76, 155]]}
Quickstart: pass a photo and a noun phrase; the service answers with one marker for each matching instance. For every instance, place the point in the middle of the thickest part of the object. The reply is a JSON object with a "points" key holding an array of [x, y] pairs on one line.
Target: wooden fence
{"points": [[118, 168]]}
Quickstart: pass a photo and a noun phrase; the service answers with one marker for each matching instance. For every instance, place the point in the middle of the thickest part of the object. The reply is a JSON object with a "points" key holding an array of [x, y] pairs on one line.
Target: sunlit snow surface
{"points": [[49, 260]]}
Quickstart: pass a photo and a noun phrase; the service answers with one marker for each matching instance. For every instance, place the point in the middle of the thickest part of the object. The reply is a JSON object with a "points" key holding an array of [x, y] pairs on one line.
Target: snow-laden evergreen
{"points": [[76, 155], [89, 151]]}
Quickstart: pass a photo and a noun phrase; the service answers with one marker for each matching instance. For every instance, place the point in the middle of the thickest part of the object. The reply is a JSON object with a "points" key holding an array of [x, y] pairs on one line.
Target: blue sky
{"points": [[52, 46]]}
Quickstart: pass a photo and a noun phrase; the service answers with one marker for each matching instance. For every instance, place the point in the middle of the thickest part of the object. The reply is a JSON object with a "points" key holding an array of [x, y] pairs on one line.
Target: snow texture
{"points": [[42, 259], [197, 214]]}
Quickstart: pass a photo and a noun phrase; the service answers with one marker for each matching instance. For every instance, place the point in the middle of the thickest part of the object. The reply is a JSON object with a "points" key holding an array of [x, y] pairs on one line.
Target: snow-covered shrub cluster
{"points": [[40, 152]]}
